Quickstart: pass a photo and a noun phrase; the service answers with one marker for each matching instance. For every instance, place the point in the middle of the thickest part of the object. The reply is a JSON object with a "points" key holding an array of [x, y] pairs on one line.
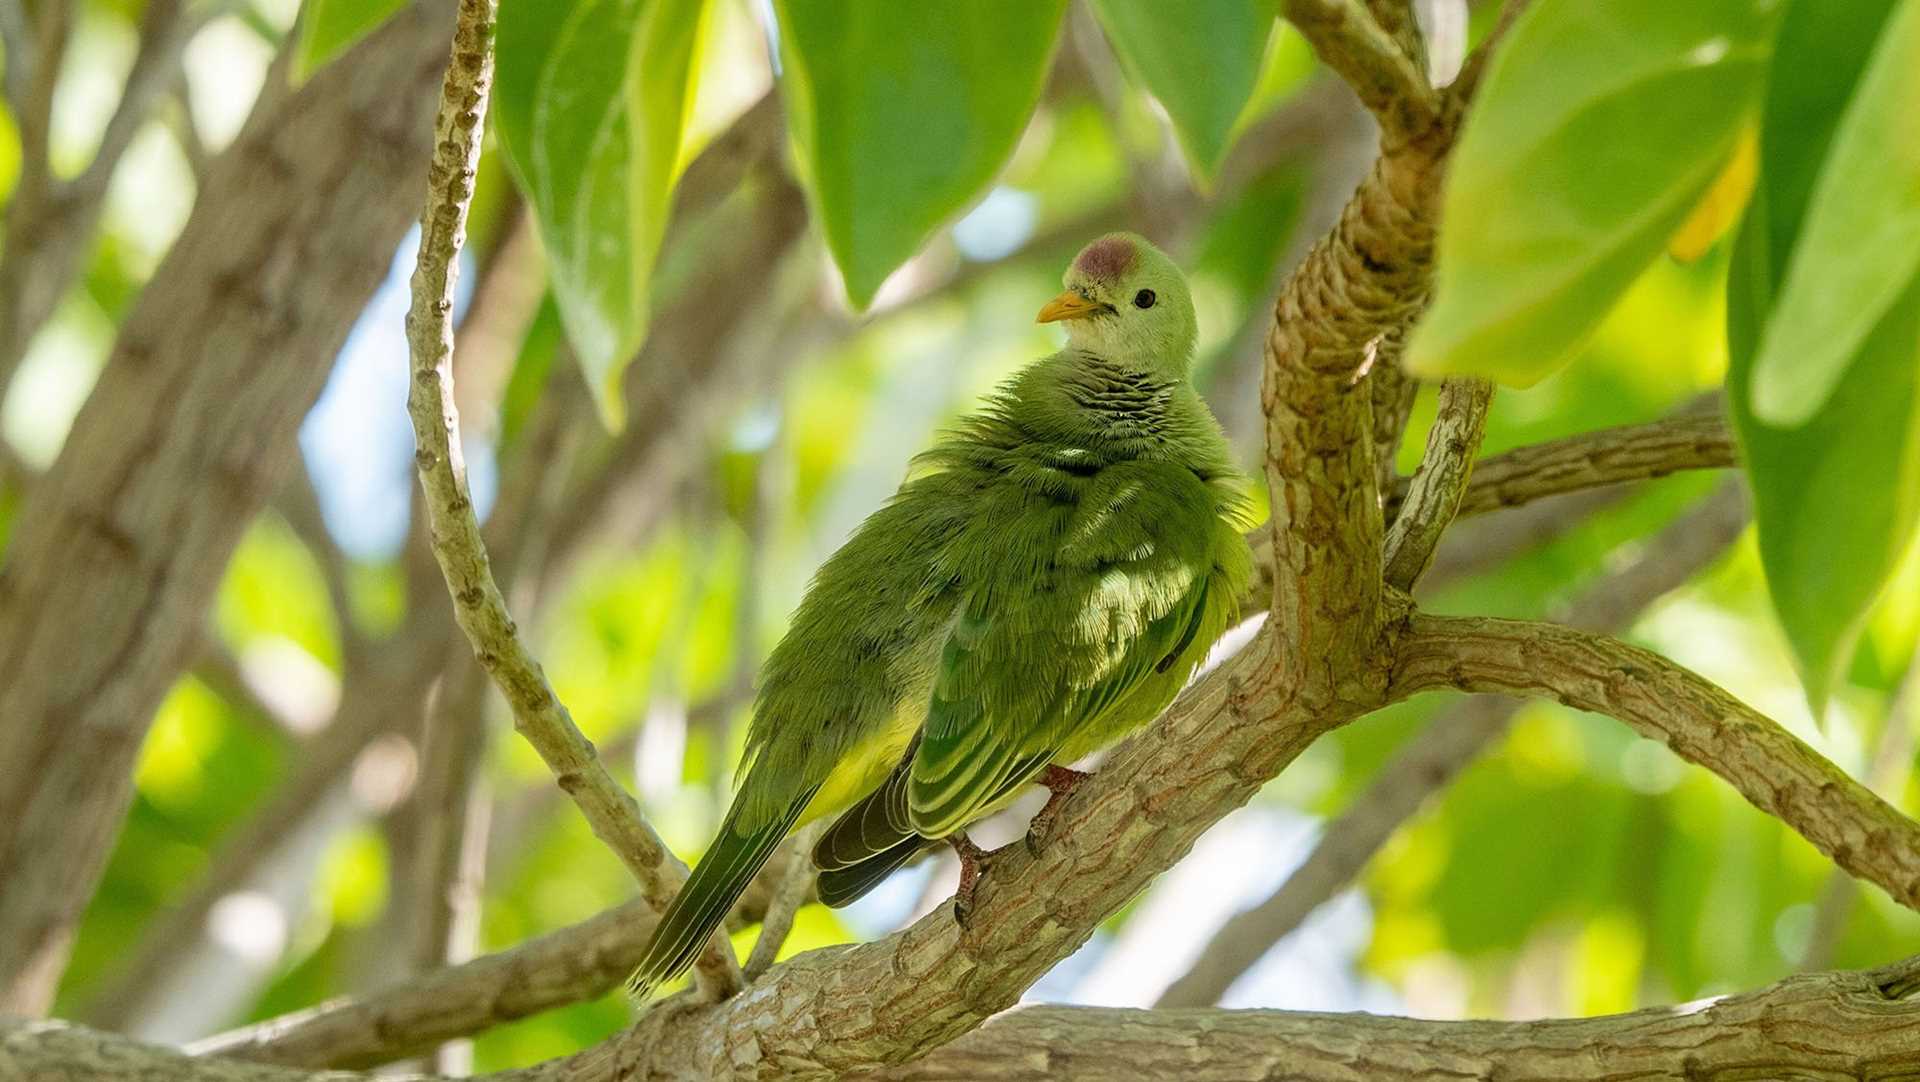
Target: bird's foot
{"points": [[973, 864], [1060, 783]]}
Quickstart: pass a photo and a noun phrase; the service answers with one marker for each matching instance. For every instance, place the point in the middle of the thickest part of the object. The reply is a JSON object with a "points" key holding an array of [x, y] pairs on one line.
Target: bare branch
{"points": [[166, 27], [1467, 83], [183, 438], [1431, 760], [575, 963], [1436, 492], [1833, 1025], [790, 892], [1397, 19], [1828, 1025], [1388, 80], [479, 607], [1693, 439], [1703, 724]]}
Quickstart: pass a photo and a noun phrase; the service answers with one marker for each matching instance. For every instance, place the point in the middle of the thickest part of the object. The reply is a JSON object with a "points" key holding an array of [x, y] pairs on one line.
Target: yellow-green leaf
{"points": [[1199, 58], [1597, 130], [331, 27], [1719, 209], [902, 113], [592, 101], [1836, 496], [1860, 245]]}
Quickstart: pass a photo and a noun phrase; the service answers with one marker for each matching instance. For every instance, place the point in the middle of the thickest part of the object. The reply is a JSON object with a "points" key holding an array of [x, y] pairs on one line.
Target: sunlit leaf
{"points": [[1836, 496], [593, 98], [1597, 130], [1719, 209], [1860, 244], [1200, 58], [903, 112], [331, 27]]}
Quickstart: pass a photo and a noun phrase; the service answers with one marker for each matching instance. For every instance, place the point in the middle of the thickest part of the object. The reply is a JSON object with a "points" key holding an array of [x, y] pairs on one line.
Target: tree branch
{"points": [[479, 607], [1430, 761], [575, 963], [1703, 724], [1843, 1024], [1693, 439], [1388, 80], [183, 438], [1437, 490], [1887, 771]]}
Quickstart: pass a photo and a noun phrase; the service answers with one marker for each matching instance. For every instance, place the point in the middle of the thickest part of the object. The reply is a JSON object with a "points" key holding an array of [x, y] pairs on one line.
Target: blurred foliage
{"points": [[1576, 868]]}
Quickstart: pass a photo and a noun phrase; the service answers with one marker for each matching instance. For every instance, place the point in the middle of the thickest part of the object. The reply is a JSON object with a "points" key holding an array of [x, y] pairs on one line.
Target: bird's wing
{"points": [[1024, 671]]}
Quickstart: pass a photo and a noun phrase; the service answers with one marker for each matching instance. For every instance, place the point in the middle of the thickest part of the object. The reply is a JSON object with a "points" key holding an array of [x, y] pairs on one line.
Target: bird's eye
{"points": [[1144, 299]]}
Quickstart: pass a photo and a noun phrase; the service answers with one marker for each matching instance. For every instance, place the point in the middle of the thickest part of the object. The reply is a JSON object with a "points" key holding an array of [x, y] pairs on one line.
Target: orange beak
{"points": [[1070, 305]]}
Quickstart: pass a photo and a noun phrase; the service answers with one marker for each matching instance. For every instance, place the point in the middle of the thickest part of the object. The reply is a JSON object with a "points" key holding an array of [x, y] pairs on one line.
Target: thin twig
{"points": [[479, 607], [1391, 84], [788, 896], [1691, 439], [1474, 68], [1437, 490]]}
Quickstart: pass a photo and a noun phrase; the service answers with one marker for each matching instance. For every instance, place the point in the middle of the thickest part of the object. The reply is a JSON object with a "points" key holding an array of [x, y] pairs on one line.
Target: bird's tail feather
{"points": [[842, 886], [708, 895]]}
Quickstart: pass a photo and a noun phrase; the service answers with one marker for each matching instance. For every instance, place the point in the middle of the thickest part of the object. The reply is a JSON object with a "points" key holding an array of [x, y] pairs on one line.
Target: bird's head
{"points": [[1128, 303]]}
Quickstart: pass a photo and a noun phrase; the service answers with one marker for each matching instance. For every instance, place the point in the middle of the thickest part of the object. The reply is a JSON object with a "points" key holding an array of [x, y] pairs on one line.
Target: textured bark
{"points": [[184, 437], [1437, 490], [1430, 761], [479, 606], [1702, 723], [1863, 1025], [1694, 439], [1367, 280], [1391, 83]]}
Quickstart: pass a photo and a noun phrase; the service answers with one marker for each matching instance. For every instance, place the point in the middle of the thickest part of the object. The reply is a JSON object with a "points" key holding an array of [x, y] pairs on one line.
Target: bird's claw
{"points": [[1060, 783], [973, 864]]}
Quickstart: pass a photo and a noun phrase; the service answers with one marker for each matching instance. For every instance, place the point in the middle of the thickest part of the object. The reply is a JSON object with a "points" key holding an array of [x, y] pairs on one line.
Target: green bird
{"points": [[1044, 582]]}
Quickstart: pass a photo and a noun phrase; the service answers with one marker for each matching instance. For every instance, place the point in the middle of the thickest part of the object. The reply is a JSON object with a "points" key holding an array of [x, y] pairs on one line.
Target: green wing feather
{"points": [[702, 904], [1039, 665]]}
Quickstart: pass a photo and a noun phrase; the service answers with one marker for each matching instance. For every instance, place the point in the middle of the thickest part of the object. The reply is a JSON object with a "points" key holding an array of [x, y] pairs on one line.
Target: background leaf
{"points": [[1830, 533], [1860, 245], [331, 27], [596, 151], [1166, 46], [1597, 131], [902, 113]]}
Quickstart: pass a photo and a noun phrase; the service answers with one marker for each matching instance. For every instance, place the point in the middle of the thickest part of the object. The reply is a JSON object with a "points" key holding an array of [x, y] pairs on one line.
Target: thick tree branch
{"points": [[1437, 490], [1826, 1025], [479, 606], [183, 438], [1831, 1025], [1703, 724], [1388, 80], [1430, 761]]}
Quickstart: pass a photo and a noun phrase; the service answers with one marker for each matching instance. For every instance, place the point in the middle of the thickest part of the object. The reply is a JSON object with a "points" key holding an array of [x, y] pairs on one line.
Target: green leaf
{"points": [[1835, 497], [1200, 58], [902, 113], [592, 102], [1860, 245], [331, 27], [1597, 130]]}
